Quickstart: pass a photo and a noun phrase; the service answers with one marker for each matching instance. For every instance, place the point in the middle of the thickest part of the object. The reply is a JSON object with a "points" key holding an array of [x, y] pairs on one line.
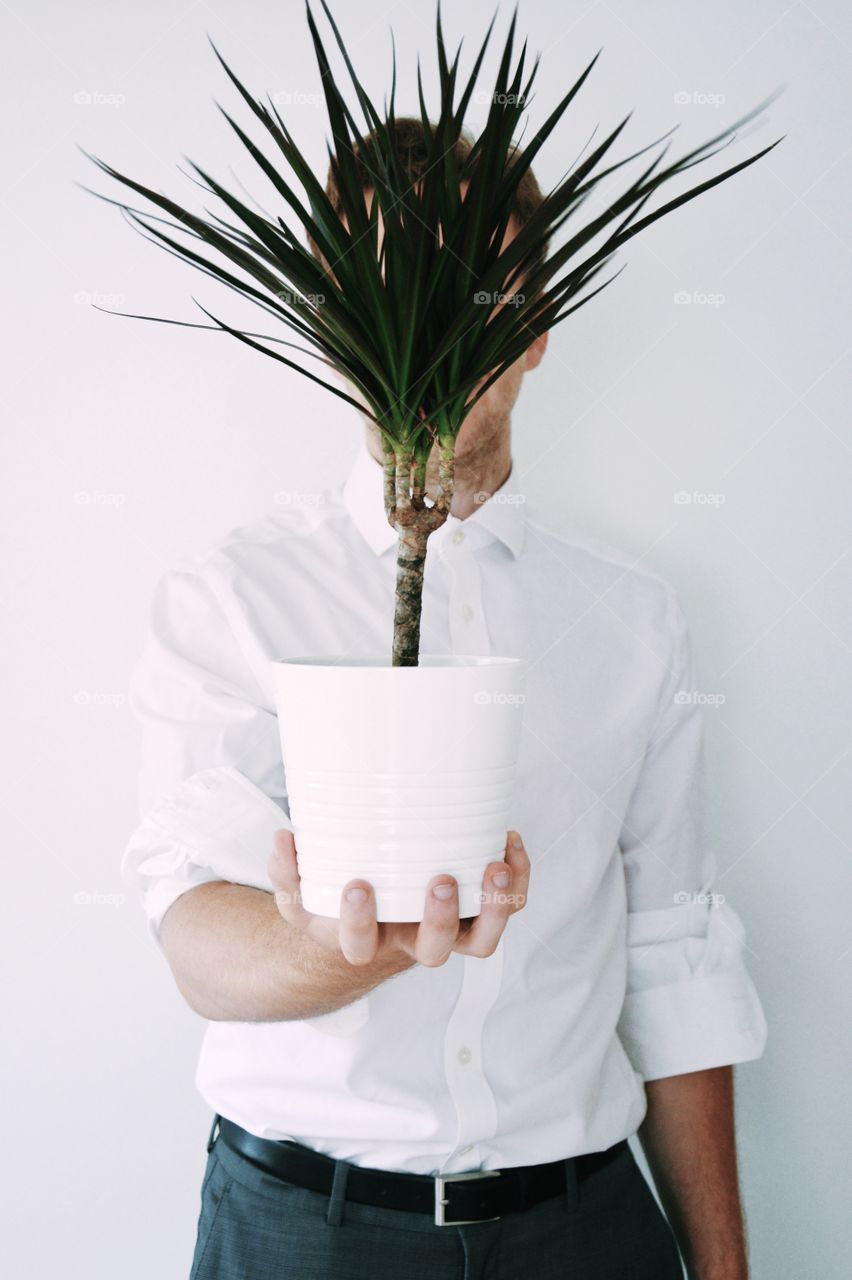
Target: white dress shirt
{"points": [[622, 967]]}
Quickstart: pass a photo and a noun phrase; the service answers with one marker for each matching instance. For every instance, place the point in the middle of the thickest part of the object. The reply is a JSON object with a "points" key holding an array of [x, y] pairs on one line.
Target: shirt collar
{"points": [[363, 495]]}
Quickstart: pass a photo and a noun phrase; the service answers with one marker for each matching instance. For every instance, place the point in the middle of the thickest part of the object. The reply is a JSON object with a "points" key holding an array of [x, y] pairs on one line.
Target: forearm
{"points": [[235, 959], [689, 1141]]}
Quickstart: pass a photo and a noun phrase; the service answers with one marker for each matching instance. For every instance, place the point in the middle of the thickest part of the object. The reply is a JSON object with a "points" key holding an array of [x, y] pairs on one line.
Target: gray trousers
{"points": [[256, 1227]]}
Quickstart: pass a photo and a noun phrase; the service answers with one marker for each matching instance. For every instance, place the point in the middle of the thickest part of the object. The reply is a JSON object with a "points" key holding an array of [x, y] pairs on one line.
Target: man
{"points": [[355, 1070]]}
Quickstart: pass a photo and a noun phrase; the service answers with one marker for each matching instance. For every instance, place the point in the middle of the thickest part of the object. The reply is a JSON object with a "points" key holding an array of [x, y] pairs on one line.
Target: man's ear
{"points": [[534, 353]]}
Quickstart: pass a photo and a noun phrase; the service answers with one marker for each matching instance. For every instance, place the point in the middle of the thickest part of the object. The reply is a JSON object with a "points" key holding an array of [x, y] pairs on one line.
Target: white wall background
{"points": [[126, 444]]}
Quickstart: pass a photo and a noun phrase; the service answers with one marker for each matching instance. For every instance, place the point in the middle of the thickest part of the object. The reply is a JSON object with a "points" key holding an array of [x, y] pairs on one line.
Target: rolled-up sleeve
{"points": [[690, 1002], [211, 781], [216, 825]]}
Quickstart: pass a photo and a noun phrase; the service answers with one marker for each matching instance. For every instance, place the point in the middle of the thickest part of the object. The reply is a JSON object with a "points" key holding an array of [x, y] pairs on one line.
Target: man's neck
{"points": [[478, 474], [477, 478]]}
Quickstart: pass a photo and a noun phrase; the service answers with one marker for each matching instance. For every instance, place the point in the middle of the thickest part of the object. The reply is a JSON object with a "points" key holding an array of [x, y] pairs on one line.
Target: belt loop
{"points": [[337, 1199], [211, 1139], [571, 1192]]}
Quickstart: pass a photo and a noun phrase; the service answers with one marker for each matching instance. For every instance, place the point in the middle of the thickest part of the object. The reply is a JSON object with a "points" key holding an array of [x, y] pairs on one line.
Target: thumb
{"points": [[281, 867]]}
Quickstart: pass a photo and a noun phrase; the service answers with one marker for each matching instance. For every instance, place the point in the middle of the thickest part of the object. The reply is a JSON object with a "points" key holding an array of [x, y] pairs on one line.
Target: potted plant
{"points": [[421, 305]]}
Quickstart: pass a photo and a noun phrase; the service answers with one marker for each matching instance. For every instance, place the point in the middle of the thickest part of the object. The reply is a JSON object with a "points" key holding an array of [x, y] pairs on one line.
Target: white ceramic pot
{"points": [[398, 774]]}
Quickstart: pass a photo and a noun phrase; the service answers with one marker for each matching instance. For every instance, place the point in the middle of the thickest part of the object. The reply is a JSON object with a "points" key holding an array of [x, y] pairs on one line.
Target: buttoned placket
{"points": [[465, 1070], [468, 626], [464, 1067]]}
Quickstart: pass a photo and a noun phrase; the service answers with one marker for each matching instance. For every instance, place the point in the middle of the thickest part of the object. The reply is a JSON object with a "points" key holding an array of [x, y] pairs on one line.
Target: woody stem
{"points": [[414, 521]]}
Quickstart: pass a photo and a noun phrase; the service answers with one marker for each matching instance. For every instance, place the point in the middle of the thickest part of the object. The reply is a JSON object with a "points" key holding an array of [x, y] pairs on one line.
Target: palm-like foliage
{"points": [[403, 318]]}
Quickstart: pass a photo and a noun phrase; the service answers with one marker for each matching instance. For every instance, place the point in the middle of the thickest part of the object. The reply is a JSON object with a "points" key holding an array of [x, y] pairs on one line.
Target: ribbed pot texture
{"points": [[398, 774]]}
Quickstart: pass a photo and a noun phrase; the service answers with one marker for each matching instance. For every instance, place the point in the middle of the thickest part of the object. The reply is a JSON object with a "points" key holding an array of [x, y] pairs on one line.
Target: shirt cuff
{"points": [[690, 1002], [217, 825]]}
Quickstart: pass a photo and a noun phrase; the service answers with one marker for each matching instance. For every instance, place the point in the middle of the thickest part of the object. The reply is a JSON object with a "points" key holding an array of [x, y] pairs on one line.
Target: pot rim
{"points": [[434, 661]]}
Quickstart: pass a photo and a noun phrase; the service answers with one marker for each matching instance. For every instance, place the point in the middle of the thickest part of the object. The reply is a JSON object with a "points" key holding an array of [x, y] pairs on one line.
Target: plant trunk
{"points": [[414, 521], [410, 564]]}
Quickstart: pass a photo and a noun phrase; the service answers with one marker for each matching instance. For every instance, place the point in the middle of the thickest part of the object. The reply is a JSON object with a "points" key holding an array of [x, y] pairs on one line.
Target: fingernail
{"points": [[356, 895], [443, 891], [501, 879], [517, 842]]}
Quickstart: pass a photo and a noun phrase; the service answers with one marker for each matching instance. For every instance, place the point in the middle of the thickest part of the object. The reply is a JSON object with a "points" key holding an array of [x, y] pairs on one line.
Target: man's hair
{"points": [[411, 149]]}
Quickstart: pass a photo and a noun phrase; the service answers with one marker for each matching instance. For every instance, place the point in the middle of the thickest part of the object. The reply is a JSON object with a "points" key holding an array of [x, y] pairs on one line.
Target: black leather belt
{"points": [[481, 1195]]}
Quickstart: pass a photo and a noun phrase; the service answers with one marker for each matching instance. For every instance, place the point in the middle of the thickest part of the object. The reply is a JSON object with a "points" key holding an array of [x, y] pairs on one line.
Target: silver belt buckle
{"points": [[441, 1201]]}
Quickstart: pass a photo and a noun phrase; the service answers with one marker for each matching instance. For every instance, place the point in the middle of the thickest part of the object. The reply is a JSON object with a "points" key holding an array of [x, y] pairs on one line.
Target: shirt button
{"points": [[464, 1055], [458, 536], [466, 612]]}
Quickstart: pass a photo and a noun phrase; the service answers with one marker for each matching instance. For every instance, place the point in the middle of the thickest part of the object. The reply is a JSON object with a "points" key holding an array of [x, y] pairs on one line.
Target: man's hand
{"points": [[240, 954], [361, 940]]}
